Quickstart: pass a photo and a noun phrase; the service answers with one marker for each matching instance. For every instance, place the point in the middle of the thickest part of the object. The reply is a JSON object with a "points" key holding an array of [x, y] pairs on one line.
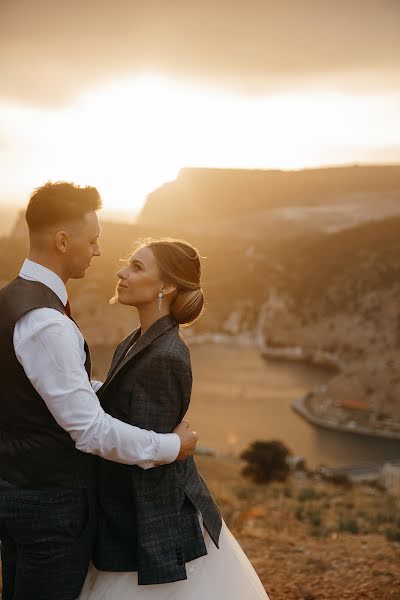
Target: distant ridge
{"points": [[200, 194]]}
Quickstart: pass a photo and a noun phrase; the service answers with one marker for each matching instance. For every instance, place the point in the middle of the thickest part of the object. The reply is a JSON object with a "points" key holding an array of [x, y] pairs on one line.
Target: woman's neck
{"points": [[148, 315]]}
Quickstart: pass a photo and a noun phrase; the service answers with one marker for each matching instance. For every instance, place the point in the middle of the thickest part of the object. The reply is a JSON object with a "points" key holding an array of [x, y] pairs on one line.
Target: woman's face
{"points": [[140, 281]]}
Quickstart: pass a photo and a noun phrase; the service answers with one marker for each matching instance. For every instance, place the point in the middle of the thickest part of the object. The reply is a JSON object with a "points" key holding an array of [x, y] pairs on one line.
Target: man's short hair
{"points": [[58, 202]]}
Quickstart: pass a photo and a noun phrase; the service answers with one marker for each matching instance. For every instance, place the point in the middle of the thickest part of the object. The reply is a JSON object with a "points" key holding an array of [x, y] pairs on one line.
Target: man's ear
{"points": [[61, 240]]}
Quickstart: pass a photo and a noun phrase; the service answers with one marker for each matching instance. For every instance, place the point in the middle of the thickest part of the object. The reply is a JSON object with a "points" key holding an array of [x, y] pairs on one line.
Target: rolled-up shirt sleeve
{"points": [[49, 350]]}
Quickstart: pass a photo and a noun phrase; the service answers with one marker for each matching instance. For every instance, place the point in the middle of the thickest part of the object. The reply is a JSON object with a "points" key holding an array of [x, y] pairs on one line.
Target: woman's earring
{"points": [[160, 297]]}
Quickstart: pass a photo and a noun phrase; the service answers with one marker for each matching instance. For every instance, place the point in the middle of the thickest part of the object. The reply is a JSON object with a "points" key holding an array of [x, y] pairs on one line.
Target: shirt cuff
{"points": [[169, 448]]}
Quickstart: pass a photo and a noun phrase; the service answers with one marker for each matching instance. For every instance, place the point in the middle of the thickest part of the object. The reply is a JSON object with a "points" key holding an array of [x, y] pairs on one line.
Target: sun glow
{"points": [[129, 137]]}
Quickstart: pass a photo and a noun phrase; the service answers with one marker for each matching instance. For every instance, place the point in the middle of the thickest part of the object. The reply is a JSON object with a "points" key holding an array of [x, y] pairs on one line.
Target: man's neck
{"points": [[42, 259]]}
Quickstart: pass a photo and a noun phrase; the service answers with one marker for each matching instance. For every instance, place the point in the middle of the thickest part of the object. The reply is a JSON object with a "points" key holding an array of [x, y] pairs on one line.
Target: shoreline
{"points": [[319, 358], [299, 407]]}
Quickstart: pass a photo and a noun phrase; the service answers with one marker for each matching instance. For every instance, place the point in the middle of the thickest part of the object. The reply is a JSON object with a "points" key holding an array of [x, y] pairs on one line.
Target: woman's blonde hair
{"points": [[179, 264]]}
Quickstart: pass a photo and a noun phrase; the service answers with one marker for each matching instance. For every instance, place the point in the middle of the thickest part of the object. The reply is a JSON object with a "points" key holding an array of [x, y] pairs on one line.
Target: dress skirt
{"points": [[222, 574]]}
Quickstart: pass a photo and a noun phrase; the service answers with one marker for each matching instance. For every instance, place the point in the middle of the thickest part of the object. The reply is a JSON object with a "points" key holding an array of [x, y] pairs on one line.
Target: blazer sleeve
{"points": [[161, 394]]}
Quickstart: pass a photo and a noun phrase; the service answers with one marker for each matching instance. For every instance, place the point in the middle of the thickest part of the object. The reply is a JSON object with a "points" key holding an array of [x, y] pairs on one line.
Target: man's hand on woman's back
{"points": [[188, 440]]}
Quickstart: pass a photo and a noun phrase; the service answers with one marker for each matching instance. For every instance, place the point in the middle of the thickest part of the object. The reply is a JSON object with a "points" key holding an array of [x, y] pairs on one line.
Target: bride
{"points": [[160, 533]]}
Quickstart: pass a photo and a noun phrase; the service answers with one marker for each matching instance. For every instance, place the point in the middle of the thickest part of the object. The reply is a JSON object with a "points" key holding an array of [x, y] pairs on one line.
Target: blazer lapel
{"points": [[120, 354], [157, 329]]}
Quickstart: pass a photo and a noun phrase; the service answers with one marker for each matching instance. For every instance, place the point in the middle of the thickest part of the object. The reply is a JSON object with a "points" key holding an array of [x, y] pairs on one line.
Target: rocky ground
{"points": [[309, 539]]}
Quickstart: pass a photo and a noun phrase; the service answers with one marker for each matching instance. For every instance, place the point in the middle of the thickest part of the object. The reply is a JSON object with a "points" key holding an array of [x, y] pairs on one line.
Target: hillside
{"points": [[342, 297]]}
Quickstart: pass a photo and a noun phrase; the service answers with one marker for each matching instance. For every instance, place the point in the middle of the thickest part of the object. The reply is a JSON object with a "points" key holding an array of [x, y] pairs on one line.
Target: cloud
{"points": [[51, 49]]}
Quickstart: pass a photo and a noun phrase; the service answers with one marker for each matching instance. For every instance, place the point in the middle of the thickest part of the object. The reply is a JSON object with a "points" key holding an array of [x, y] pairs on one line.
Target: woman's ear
{"points": [[168, 289]]}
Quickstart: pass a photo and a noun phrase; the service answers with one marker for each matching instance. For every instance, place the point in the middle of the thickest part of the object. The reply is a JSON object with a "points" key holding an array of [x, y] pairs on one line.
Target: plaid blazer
{"points": [[148, 518]]}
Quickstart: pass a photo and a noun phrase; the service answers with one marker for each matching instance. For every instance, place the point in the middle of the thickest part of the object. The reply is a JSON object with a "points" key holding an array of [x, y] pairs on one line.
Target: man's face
{"points": [[82, 245]]}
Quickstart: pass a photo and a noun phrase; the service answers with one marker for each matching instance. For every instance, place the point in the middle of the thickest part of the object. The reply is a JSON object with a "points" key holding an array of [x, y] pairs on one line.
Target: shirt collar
{"points": [[35, 272]]}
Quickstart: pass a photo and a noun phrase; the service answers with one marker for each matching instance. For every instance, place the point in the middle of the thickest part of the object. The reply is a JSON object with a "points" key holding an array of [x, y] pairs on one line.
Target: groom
{"points": [[51, 422]]}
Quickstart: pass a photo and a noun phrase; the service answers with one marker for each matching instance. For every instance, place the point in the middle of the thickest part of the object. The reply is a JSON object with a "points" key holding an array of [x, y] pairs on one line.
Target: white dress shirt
{"points": [[50, 348]]}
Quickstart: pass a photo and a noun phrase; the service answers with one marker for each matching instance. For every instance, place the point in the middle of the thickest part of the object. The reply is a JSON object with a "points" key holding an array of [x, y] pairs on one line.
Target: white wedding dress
{"points": [[222, 574]]}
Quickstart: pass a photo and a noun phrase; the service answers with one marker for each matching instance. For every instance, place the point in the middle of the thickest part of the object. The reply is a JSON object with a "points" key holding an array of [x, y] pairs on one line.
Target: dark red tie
{"points": [[68, 310]]}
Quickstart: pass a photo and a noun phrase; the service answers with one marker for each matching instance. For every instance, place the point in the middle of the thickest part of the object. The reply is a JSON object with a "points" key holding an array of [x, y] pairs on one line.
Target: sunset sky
{"points": [[123, 94]]}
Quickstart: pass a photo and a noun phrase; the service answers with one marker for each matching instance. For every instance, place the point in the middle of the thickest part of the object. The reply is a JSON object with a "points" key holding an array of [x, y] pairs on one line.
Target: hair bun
{"points": [[187, 306]]}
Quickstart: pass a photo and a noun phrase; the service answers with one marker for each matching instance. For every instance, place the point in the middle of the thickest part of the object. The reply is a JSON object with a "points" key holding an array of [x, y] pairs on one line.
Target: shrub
{"points": [[287, 492], [347, 524], [314, 518], [266, 461], [393, 535], [309, 494]]}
